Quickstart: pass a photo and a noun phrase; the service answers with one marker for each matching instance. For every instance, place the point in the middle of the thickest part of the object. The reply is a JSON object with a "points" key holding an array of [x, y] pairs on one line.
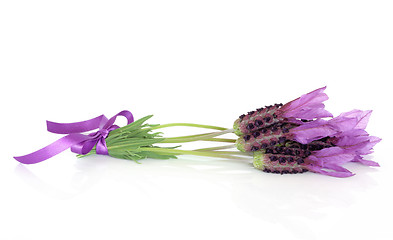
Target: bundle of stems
{"points": [[139, 140]]}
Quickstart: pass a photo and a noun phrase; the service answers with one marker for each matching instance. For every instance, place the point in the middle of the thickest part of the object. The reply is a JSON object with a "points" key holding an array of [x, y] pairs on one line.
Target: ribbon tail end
{"points": [[27, 160]]}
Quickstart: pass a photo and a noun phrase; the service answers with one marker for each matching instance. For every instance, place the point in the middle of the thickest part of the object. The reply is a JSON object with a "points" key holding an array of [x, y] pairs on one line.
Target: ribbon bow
{"points": [[79, 143]]}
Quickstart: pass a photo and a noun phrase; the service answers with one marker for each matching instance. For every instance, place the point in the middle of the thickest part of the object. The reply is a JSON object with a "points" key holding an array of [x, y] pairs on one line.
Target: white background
{"points": [[188, 61]]}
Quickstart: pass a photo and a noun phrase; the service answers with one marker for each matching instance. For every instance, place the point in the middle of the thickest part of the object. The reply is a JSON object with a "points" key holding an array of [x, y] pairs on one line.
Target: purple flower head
{"points": [[324, 146], [304, 132], [294, 137], [307, 107]]}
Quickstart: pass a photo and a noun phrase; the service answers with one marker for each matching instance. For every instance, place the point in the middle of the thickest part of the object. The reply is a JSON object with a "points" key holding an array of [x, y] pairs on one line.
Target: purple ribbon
{"points": [[79, 143]]}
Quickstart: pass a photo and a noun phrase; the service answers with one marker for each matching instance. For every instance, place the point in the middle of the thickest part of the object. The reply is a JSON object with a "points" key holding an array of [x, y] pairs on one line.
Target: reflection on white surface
{"points": [[287, 200], [84, 175]]}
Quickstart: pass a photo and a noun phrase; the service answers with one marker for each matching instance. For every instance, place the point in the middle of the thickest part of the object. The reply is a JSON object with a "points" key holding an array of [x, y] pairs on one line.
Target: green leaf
{"points": [[132, 126], [125, 142]]}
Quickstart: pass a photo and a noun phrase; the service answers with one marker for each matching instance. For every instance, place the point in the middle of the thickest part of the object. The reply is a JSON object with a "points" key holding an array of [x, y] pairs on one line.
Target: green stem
{"points": [[191, 152], [216, 148], [187, 125], [235, 153], [198, 137], [120, 142], [220, 140]]}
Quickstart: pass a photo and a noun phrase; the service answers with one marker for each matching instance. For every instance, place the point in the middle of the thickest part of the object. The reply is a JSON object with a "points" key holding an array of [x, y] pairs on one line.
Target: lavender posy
{"points": [[296, 137]]}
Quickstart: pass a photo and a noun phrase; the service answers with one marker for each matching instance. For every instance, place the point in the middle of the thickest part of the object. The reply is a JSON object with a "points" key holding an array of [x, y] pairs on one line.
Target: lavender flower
{"points": [[307, 107], [276, 124], [297, 139]]}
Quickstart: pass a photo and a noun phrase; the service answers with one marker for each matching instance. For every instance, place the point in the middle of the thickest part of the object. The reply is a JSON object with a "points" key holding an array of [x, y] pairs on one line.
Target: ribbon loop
{"points": [[79, 143], [76, 127]]}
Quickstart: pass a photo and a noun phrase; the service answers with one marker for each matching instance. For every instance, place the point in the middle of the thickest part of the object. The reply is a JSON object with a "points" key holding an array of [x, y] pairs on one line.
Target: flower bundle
{"points": [[295, 137]]}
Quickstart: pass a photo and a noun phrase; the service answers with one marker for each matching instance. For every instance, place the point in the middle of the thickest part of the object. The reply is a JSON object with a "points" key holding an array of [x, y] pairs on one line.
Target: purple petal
{"points": [[357, 141], [333, 155], [334, 171], [347, 128], [343, 123], [343, 173], [361, 117], [351, 138], [373, 141], [309, 106], [365, 162], [314, 130], [330, 159]]}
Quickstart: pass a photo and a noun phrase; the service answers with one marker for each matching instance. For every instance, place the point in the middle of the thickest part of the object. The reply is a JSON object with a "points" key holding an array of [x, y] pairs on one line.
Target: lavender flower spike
{"points": [[307, 107]]}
